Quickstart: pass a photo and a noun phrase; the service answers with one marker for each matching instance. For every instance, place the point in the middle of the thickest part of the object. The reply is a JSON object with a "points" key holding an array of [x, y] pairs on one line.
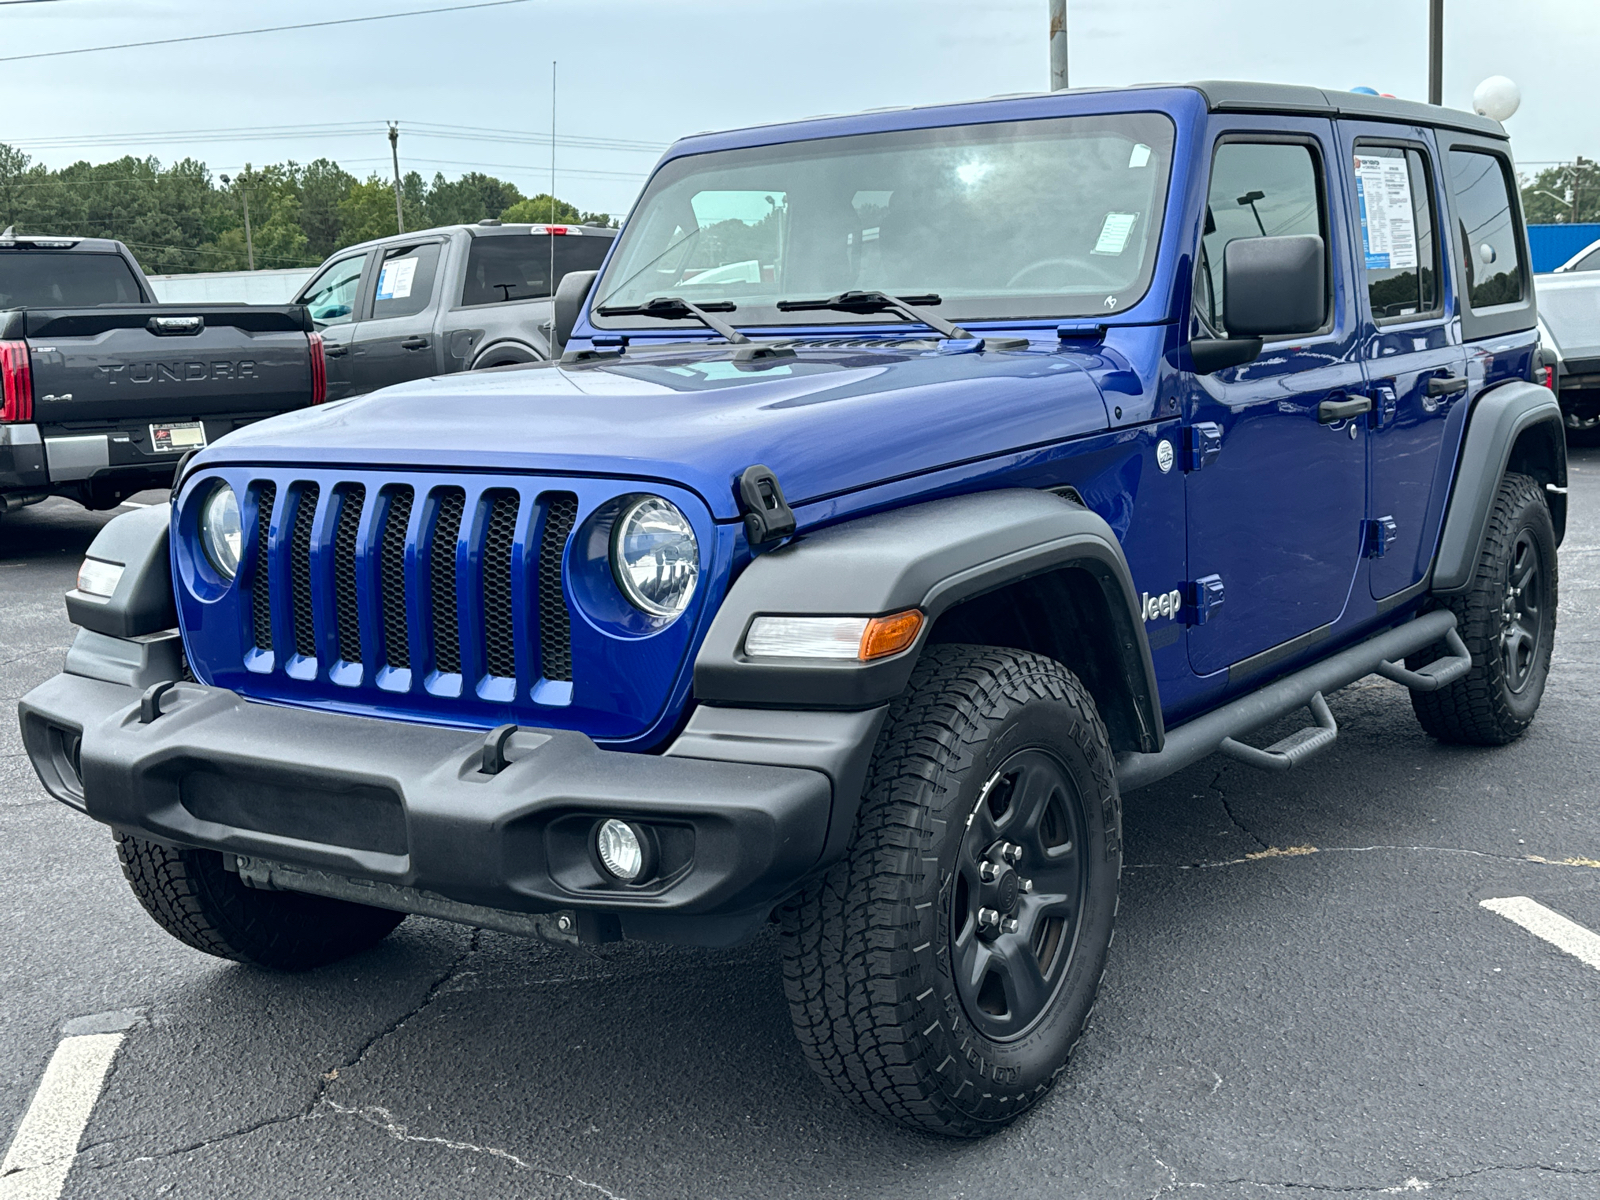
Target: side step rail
{"points": [[1441, 672], [1292, 750], [1206, 734]]}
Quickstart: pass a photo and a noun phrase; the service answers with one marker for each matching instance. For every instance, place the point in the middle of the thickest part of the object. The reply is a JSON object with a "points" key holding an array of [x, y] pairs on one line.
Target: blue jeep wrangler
{"points": [[912, 485]]}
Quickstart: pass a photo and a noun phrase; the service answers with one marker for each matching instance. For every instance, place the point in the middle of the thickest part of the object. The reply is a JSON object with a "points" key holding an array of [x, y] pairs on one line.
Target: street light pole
{"points": [[1058, 45], [394, 151], [1435, 51], [244, 194]]}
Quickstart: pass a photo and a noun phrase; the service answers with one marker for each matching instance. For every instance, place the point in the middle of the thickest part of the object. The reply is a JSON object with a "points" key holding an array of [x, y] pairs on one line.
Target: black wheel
{"points": [[943, 971], [1507, 620], [202, 904]]}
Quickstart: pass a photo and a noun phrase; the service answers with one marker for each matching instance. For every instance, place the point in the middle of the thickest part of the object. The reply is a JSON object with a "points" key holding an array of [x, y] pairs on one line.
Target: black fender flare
{"points": [[504, 353], [933, 556], [1514, 427], [142, 601]]}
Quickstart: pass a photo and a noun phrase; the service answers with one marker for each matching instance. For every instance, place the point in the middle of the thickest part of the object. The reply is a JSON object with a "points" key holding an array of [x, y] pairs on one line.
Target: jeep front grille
{"points": [[448, 578]]}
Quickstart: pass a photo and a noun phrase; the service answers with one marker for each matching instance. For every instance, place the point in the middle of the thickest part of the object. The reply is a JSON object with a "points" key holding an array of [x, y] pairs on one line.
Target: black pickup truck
{"points": [[104, 390]]}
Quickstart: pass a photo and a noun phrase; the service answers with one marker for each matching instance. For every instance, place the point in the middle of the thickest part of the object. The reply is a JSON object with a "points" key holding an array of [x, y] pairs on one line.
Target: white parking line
{"points": [[1583, 944], [41, 1153]]}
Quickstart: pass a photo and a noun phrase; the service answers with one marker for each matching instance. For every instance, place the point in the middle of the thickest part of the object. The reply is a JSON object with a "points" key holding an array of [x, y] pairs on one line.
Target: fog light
{"points": [[621, 849]]}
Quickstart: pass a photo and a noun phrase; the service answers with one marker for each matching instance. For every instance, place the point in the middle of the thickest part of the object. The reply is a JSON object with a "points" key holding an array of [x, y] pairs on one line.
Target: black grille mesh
{"points": [[499, 646], [305, 512], [260, 587], [442, 577], [555, 628], [392, 565], [344, 573]]}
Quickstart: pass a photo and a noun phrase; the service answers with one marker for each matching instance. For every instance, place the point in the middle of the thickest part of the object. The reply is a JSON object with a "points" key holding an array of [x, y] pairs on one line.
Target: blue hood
{"points": [[826, 421]]}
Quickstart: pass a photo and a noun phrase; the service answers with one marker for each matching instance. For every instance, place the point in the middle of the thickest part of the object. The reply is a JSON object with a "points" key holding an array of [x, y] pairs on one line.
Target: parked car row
{"points": [[1569, 333]]}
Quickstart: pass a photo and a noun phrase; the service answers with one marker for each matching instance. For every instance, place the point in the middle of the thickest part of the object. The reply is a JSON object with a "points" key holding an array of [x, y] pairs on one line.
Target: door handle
{"points": [[1330, 411], [1447, 385], [415, 343], [333, 350]]}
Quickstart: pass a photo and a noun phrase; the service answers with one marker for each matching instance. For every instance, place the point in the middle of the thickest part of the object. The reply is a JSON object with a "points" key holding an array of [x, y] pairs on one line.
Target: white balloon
{"points": [[1496, 98]]}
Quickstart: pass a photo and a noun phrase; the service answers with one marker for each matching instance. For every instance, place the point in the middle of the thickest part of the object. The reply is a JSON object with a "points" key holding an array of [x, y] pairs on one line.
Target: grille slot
{"points": [[555, 625], [305, 512], [499, 644], [442, 577], [392, 567], [260, 584], [344, 573]]}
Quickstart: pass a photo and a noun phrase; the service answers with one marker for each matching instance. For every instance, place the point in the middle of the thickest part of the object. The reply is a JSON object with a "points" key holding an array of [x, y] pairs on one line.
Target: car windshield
{"points": [[1022, 219]]}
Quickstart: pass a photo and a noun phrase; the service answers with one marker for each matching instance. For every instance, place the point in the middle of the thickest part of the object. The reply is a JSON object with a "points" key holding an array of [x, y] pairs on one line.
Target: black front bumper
{"points": [[407, 805]]}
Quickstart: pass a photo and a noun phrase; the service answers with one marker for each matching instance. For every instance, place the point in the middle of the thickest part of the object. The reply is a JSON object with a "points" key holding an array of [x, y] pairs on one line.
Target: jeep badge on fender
{"points": [[551, 651]]}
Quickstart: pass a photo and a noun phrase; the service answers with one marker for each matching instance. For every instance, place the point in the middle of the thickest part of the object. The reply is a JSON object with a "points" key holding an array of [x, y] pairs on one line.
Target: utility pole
{"points": [[1435, 51], [244, 193], [1058, 45], [394, 152]]}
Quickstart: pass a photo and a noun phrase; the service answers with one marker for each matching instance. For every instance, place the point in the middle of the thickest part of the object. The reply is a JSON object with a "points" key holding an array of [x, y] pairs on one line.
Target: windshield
{"points": [[65, 279], [1023, 219]]}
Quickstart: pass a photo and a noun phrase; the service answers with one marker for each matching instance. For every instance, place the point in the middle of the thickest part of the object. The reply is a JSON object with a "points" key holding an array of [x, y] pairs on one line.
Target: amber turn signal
{"points": [[891, 634]]}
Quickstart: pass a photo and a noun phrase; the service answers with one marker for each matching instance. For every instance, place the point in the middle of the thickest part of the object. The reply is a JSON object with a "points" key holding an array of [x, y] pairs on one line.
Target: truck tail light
{"points": [[319, 369], [16, 379], [1545, 377]]}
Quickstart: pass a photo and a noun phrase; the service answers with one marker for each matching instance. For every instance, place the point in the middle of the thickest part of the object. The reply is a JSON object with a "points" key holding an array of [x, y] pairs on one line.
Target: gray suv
{"points": [[443, 300]]}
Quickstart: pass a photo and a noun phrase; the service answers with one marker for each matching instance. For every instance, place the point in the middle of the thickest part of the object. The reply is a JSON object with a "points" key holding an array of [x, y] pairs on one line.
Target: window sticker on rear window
{"points": [[394, 281], [1388, 221], [1114, 233]]}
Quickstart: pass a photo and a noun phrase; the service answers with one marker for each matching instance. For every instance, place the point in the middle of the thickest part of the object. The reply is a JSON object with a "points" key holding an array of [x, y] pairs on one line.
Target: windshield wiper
{"points": [[676, 308], [908, 308]]}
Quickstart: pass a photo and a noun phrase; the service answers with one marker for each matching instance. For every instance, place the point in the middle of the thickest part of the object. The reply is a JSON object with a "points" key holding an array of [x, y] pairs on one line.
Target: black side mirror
{"points": [[570, 295], [1273, 286]]}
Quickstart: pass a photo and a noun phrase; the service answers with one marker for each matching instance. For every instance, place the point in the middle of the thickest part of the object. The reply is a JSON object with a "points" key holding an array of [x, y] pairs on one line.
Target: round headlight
{"points": [[220, 531], [655, 557]]}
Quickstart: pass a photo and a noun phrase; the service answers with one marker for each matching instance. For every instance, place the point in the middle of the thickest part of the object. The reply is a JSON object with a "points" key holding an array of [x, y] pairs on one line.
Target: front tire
{"points": [[927, 980], [1507, 619], [197, 900]]}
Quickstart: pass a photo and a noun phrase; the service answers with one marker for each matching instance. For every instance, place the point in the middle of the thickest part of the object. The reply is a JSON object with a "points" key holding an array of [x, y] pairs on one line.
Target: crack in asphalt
{"points": [[1537, 860], [382, 1119], [1216, 786]]}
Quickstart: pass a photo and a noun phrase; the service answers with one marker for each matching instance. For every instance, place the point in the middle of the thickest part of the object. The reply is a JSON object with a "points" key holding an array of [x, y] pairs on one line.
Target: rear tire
{"points": [[1508, 621], [202, 904], [994, 768]]}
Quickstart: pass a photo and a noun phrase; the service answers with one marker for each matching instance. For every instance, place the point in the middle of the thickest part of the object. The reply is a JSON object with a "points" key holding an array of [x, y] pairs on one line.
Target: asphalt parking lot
{"points": [[1306, 995]]}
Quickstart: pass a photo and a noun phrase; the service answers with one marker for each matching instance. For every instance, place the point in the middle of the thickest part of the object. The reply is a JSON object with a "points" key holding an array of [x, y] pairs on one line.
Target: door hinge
{"points": [[1380, 535], [1201, 445], [1385, 404], [1205, 597]]}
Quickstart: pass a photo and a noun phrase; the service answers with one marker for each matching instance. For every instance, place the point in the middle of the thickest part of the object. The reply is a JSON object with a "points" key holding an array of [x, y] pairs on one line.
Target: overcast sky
{"points": [[647, 71]]}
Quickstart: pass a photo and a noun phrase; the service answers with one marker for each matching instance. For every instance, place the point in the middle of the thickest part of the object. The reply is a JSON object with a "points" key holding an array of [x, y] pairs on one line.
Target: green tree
{"points": [[536, 210], [367, 211], [322, 185], [469, 199], [1562, 194]]}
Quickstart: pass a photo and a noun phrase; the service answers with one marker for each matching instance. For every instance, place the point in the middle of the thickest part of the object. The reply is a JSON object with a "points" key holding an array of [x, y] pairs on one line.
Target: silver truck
{"points": [[458, 298], [1569, 333]]}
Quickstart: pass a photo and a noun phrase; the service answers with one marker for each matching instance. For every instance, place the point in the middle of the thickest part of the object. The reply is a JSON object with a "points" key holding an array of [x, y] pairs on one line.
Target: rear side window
{"points": [[405, 281], [1489, 244], [65, 279], [1258, 189], [330, 298], [1398, 232], [512, 266]]}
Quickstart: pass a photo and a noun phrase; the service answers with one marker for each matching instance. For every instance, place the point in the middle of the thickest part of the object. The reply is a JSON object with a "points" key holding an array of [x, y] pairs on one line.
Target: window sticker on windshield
{"points": [[1139, 158], [1388, 222], [1114, 233], [394, 281]]}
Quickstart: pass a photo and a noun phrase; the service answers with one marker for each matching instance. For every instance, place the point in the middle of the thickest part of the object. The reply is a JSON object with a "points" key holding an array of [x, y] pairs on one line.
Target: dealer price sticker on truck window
{"points": [[1388, 220], [394, 281]]}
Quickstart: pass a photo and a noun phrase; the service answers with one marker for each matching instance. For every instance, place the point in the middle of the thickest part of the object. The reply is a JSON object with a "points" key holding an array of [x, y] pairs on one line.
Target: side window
{"points": [[331, 296], [1398, 233], [405, 280], [1258, 189], [1490, 248]]}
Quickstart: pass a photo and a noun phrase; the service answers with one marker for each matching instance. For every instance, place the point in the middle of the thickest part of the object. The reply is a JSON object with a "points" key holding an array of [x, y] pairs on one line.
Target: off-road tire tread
{"points": [[1474, 711], [848, 941], [193, 897]]}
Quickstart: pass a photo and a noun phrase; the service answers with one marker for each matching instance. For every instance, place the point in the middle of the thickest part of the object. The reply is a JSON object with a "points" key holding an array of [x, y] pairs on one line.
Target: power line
{"points": [[207, 37], [352, 129]]}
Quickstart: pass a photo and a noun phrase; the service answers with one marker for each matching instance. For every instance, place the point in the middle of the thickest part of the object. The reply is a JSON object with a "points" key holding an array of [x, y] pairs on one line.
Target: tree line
{"points": [[180, 218], [1561, 194]]}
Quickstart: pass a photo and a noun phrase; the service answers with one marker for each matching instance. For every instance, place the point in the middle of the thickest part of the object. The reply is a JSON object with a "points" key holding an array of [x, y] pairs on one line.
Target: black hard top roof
{"points": [[1224, 95]]}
